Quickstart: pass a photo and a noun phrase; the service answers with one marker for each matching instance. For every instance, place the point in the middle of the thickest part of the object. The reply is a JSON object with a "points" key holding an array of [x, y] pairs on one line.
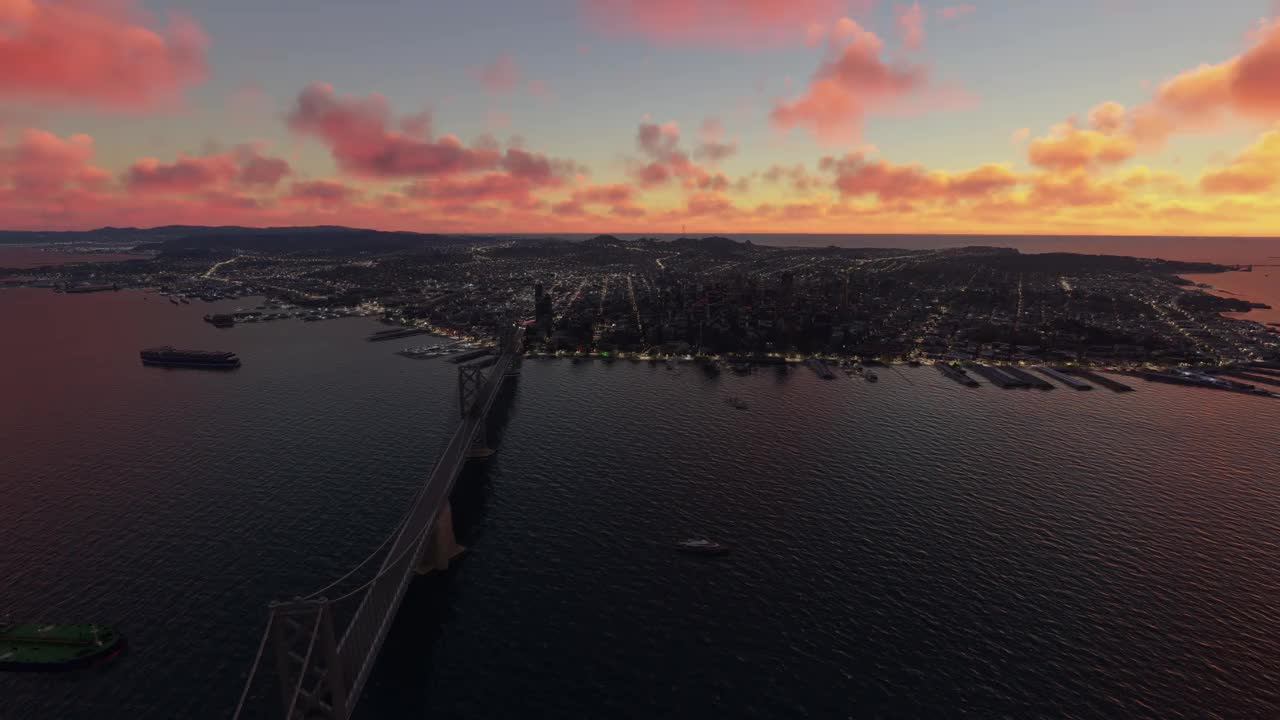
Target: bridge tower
{"points": [[312, 681]]}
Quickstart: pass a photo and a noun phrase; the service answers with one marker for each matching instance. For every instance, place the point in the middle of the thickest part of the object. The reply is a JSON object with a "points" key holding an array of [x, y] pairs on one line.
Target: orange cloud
{"points": [[1070, 148], [1255, 170], [848, 86], [97, 52], [1200, 98], [1073, 188], [749, 23], [855, 175], [1107, 118]]}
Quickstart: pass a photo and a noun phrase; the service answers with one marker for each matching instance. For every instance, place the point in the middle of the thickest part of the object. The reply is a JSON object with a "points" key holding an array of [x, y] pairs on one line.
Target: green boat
{"points": [[44, 647]]}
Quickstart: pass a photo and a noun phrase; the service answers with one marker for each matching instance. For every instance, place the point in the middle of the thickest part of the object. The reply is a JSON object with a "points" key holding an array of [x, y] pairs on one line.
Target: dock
{"points": [[1100, 379], [956, 374], [1026, 377], [1062, 377], [471, 355], [1252, 377], [996, 377], [396, 333], [1198, 379]]}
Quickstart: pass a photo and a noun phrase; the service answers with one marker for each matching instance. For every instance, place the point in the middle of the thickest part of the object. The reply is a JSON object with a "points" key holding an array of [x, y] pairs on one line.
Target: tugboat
{"points": [[38, 647], [701, 547]]}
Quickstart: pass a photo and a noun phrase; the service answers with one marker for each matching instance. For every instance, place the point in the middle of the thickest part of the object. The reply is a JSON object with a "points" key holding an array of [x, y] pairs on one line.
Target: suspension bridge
{"points": [[318, 650]]}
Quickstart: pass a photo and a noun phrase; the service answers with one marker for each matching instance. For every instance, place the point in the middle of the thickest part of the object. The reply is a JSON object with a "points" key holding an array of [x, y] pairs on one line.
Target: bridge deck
{"points": [[322, 675]]}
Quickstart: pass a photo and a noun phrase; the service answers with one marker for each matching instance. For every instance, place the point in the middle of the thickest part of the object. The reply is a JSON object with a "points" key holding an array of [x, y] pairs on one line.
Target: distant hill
{"points": [[200, 238]]}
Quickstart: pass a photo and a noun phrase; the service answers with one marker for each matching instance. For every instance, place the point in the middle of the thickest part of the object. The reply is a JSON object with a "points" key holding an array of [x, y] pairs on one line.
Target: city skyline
{"points": [[607, 115]]}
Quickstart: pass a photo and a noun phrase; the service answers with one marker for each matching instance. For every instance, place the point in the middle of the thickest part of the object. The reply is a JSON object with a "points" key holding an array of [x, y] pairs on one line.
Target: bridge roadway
{"points": [[320, 671]]}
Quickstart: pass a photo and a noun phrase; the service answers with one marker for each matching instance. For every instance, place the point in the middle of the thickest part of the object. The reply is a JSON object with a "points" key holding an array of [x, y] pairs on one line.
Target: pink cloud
{"points": [[614, 194], [661, 143], [356, 131], [540, 89], [733, 23], [185, 175], [487, 187], [42, 163], [245, 165], [321, 192], [848, 86], [951, 12], [712, 146], [96, 52], [500, 76], [910, 21], [259, 169]]}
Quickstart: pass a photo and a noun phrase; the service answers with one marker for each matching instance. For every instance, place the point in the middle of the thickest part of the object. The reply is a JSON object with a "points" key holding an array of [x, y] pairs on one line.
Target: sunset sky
{"points": [[633, 116]]}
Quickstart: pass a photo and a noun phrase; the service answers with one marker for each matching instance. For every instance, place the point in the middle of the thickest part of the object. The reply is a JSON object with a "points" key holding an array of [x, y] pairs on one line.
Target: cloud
{"points": [[187, 174], [797, 175], [728, 23], [1244, 86], [96, 52], [1075, 188], [712, 146], [709, 203], [1254, 170], [259, 169], [1107, 118], [661, 144], [42, 163], [500, 76], [855, 175], [1070, 148], [245, 165], [910, 22], [328, 193], [356, 131], [1019, 136], [951, 12], [494, 186], [851, 83], [613, 194]]}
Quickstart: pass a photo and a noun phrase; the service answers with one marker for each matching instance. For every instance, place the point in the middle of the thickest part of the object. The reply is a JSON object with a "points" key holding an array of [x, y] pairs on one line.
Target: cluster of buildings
{"points": [[720, 297]]}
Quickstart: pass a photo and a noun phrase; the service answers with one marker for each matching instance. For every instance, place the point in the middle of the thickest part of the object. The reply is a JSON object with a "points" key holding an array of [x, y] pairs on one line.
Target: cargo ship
{"points": [[38, 647], [221, 320], [166, 356]]}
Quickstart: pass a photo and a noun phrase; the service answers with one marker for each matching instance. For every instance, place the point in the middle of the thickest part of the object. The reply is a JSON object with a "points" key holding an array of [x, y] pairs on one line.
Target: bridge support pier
{"points": [[441, 547]]}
